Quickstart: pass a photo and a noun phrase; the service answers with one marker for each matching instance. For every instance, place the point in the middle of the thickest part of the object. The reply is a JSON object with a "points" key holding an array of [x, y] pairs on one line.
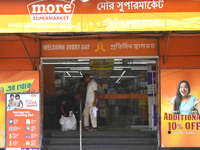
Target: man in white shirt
{"points": [[91, 101]]}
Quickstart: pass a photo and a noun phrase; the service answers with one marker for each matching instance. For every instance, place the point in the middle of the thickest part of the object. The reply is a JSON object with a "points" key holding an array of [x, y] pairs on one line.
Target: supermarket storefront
{"points": [[40, 38]]}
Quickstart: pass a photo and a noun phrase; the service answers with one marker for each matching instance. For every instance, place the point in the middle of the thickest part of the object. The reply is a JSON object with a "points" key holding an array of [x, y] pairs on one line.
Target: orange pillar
{"points": [[49, 80]]}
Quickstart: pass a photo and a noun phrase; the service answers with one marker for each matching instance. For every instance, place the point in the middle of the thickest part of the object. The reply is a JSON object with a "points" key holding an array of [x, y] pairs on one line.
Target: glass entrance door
{"points": [[122, 88]]}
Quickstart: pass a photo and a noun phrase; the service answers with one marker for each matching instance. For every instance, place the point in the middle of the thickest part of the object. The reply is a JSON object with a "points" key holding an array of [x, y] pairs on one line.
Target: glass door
{"points": [[122, 87]]}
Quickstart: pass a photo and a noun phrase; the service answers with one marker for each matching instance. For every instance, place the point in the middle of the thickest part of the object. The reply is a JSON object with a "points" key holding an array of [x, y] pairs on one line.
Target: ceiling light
{"points": [[123, 73], [83, 60], [117, 59], [117, 69], [73, 71], [68, 74], [74, 68], [79, 68], [66, 63], [60, 71], [117, 80], [117, 63], [120, 76], [73, 77], [142, 62], [123, 77]]}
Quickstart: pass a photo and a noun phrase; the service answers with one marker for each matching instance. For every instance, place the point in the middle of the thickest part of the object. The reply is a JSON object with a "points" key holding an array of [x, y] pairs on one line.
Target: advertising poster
{"points": [[23, 121], [101, 67], [180, 120], [15, 82]]}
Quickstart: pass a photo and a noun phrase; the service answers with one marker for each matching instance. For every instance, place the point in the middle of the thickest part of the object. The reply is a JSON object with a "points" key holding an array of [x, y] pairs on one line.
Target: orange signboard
{"points": [[98, 48], [97, 16], [179, 127], [15, 82]]}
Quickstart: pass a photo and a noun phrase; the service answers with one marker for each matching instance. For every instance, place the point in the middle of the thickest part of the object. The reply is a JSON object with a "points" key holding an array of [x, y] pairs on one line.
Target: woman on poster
{"points": [[184, 103]]}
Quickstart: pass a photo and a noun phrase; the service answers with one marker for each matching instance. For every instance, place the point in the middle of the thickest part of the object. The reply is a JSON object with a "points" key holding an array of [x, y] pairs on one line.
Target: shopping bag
{"points": [[68, 123], [94, 111]]}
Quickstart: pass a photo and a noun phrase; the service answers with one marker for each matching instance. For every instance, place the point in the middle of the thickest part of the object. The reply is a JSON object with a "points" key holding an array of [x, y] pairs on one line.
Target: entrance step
{"points": [[106, 140]]}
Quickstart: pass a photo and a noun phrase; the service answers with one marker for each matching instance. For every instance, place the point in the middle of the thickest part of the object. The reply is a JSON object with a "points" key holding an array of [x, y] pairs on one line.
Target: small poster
{"points": [[23, 121]]}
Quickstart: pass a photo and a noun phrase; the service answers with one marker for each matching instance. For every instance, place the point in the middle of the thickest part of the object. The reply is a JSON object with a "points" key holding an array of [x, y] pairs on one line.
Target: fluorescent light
{"points": [[117, 80], [74, 77], [117, 63], [74, 68], [139, 68], [73, 71], [141, 62], [62, 67], [120, 76], [61, 71], [66, 63], [117, 59], [67, 71], [131, 67], [79, 68], [83, 60], [123, 73], [68, 74], [117, 69]]}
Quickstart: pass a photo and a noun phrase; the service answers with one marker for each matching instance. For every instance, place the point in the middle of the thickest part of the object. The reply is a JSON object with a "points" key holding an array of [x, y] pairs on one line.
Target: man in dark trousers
{"points": [[67, 104], [82, 91]]}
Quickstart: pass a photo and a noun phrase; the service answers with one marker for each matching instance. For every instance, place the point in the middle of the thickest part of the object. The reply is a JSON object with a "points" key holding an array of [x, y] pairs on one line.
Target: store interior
{"points": [[122, 90]]}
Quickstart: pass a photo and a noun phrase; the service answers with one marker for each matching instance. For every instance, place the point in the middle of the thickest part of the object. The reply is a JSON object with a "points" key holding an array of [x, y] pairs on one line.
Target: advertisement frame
{"points": [[39, 95], [184, 130]]}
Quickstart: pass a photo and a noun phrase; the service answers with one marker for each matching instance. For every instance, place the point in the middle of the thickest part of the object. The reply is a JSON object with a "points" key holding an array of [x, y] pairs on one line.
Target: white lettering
{"points": [[85, 46], [66, 7], [50, 8], [73, 46], [38, 9], [58, 8], [131, 5], [54, 47]]}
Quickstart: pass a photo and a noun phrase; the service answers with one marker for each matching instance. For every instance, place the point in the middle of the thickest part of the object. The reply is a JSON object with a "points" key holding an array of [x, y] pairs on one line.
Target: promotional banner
{"points": [[27, 16], [101, 67], [103, 47], [23, 121], [180, 120], [15, 82]]}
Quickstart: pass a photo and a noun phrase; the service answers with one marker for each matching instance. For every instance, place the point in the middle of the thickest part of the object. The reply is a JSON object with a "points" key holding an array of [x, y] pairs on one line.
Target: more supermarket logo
{"points": [[30, 103], [44, 11]]}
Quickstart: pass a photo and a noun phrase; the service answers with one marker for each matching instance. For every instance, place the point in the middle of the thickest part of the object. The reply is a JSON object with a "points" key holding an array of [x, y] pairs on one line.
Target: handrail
{"points": [[80, 124]]}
